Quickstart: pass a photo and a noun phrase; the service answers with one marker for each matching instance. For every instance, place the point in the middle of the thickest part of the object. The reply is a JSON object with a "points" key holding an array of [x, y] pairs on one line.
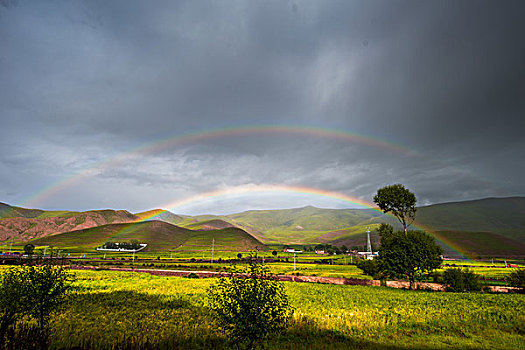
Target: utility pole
{"points": [[368, 244], [294, 261], [45, 249], [212, 248], [11, 246]]}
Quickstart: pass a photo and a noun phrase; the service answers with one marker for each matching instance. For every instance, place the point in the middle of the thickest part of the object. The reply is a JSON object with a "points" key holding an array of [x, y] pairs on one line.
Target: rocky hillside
{"points": [[25, 224]]}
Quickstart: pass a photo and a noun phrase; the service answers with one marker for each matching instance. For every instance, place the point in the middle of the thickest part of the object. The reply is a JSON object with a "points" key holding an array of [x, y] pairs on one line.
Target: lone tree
{"points": [[34, 291], [249, 304], [399, 201], [29, 249], [517, 279], [47, 287], [408, 254]]}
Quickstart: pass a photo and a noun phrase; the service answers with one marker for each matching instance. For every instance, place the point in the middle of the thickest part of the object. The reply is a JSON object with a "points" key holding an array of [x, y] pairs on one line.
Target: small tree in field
{"points": [[47, 288], [517, 279], [458, 280], [399, 201], [29, 249], [35, 291], [249, 305], [408, 254]]}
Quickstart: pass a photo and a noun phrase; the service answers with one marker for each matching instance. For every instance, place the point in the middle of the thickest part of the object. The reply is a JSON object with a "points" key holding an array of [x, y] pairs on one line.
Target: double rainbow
{"points": [[180, 140], [189, 138]]}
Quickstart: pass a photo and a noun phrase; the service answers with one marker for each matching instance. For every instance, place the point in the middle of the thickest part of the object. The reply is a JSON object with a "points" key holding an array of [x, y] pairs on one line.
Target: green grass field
{"points": [[118, 309], [307, 264]]}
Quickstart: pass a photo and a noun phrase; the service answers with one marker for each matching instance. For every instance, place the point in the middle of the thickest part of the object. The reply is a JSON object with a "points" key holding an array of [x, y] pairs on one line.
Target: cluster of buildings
{"points": [[368, 254]]}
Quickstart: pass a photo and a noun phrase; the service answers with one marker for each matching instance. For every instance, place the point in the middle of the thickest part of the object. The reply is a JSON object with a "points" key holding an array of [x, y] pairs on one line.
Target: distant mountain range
{"points": [[485, 227]]}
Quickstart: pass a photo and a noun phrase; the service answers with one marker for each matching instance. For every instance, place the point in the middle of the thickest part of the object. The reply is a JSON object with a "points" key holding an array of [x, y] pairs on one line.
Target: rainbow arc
{"points": [[173, 206], [210, 134]]}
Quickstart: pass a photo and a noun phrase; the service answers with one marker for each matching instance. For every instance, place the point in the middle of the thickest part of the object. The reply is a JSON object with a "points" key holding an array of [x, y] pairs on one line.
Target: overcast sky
{"points": [[84, 82]]}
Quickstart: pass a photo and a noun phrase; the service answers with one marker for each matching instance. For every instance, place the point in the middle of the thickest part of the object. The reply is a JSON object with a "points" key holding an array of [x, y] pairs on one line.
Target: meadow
{"points": [[307, 264], [132, 310]]}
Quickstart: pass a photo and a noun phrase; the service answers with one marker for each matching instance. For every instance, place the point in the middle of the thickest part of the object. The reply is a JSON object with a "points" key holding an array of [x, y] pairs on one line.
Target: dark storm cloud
{"points": [[85, 81]]}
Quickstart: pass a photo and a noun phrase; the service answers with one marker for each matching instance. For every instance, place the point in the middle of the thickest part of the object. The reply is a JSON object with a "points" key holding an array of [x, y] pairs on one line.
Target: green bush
{"points": [[458, 280], [517, 279], [369, 267], [249, 304], [31, 291], [408, 255]]}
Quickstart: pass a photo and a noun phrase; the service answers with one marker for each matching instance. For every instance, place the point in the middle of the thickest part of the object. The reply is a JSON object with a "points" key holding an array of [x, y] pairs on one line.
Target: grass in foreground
{"points": [[131, 310]]}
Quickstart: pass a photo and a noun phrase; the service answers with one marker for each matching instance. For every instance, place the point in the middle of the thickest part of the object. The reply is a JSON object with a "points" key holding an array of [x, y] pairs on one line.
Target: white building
{"points": [[291, 250]]}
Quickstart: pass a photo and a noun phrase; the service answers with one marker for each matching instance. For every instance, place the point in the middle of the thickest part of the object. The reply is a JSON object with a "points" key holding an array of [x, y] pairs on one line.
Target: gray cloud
{"points": [[85, 81]]}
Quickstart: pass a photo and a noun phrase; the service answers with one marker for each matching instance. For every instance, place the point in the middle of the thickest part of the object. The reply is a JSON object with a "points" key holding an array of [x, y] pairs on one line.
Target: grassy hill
{"points": [[160, 214], [304, 225], [481, 244], [8, 211], [503, 216], [226, 239], [207, 225], [159, 235]]}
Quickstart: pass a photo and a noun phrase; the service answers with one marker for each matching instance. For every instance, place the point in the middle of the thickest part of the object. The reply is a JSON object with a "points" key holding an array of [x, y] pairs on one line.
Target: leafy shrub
{"points": [[517, 279], [29, 249], [369, 267], [437, 277], [34, 291], [458, 280], [249, 304], [193, 275]]}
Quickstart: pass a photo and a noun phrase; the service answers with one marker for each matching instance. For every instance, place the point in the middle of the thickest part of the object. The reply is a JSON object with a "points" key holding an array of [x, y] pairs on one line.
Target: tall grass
{"points": [[131, 310]]}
